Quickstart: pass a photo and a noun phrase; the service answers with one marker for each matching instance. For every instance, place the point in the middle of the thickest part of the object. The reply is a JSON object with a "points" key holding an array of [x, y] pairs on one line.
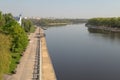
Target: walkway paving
{"points": [[26, 66], [47, 67]]}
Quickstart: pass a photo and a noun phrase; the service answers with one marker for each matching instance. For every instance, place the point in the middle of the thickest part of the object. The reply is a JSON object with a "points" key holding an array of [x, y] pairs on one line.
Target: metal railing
{"points": [[36, 72]]}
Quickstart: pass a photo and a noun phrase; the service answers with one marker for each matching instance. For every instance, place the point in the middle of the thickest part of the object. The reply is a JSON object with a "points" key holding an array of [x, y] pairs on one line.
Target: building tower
{"points": [[20, 19]]}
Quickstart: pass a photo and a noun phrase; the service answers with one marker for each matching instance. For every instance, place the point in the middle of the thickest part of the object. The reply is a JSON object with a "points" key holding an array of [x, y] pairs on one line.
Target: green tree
{"points": [[5, 44], [2, 20], [107, 22], [28, 25], [20, 39], [13, 40]]}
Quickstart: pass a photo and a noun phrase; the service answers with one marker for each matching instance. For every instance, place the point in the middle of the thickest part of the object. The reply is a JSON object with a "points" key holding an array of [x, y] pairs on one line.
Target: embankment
{"points": [[48, 72], [109, 29]]}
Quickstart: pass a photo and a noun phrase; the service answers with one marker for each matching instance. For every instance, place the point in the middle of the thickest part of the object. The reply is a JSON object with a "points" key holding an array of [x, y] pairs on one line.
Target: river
{"points": [[81, 54]]}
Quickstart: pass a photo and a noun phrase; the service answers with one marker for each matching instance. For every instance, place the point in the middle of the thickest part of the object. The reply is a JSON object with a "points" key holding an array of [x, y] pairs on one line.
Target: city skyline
{"points": [[62, 8]]}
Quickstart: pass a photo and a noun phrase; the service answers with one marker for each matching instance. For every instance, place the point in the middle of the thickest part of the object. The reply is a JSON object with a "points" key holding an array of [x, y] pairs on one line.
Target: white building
{"points": [[19, 19]]}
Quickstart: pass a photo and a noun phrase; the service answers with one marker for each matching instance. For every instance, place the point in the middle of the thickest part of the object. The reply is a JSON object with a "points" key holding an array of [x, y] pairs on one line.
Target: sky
{"points": [[62, 8]]}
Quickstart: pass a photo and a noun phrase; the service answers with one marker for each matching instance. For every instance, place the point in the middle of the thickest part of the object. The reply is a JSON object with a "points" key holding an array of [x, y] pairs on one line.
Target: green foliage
{"points": [[14, 60], [2, 20], [107, 22], [55, 22], [44, 22], [8, 18], [5, 42], [28, 25], [13, 41], [20, 39]]}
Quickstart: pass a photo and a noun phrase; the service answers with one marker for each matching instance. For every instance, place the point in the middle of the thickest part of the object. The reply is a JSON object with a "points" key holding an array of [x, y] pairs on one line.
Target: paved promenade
{"points": [[47, 67], [26, 68]]}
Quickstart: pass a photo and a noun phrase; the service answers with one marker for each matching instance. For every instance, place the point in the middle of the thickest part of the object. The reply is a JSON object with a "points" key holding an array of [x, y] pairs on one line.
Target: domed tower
{"points": [[20, 19]]}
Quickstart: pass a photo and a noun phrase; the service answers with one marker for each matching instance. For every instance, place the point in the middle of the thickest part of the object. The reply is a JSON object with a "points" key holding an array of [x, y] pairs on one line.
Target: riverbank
{"points": [[48, 72], [109, 29]]}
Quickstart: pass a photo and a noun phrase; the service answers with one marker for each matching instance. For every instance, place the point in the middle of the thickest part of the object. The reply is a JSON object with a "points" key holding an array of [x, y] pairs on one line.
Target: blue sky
{"points": [[62, 8]]}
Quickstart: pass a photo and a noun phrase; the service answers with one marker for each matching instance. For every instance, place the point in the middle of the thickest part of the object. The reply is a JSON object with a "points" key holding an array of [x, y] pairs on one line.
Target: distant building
{"points": [[25, 18], [19, 19]]}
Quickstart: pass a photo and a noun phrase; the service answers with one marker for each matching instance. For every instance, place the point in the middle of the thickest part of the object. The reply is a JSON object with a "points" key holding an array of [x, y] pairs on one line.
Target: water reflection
{"points": [[81, 54], [104, 34]]}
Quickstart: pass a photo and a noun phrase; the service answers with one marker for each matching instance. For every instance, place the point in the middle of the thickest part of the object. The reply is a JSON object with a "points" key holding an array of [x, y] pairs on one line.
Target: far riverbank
{"points": [[106, 24], [109, 29]]}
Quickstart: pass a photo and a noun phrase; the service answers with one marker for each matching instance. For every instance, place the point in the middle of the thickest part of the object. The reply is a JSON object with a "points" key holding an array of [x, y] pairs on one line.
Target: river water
{"points": [[81, 54]]}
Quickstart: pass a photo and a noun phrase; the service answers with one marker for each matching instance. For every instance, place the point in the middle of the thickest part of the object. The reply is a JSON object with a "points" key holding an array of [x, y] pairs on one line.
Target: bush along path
{"points": [[25, 68], [13, 42]]}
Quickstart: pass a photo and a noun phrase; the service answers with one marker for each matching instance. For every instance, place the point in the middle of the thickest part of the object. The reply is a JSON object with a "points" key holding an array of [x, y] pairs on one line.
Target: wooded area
{"points": [[107, 22], [13, 41], [57, 22]]}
